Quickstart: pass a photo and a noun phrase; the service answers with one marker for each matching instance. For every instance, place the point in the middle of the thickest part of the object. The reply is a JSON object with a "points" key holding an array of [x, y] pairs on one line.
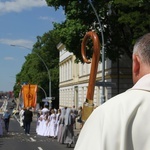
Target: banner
{"points": [[29, 95]]}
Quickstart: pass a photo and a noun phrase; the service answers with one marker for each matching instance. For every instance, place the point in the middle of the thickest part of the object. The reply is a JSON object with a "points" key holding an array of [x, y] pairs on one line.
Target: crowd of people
{"points": [[25, 120], [52, 123], [56, 123]]}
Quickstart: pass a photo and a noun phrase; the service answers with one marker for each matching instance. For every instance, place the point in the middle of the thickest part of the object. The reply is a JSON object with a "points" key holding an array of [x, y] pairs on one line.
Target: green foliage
{"points": [[123, 21], [35, 72]]}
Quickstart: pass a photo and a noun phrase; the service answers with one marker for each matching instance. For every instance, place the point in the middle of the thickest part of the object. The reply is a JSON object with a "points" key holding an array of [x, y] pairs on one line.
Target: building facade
{"points": [[74, 78]]}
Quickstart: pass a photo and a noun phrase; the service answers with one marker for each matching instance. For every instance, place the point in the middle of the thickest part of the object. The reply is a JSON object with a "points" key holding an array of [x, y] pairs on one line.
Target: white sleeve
{"points": [[90, 135]]}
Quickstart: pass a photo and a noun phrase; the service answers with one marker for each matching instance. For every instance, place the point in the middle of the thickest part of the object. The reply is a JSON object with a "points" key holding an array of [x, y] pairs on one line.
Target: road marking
{"points": [[33, 140], [40, 148]]}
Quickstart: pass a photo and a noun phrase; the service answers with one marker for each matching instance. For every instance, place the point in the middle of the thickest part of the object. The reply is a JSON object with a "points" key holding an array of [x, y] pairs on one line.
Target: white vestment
{"points": [[122, 123]]}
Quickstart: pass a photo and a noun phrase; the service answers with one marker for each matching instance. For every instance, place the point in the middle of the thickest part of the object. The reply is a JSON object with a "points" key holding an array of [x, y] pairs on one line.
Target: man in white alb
{"points": [[123, 122]]}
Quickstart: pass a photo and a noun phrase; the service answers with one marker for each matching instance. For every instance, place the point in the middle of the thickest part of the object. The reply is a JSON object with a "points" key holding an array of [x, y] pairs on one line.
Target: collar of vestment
{"points": [[142, 84]]}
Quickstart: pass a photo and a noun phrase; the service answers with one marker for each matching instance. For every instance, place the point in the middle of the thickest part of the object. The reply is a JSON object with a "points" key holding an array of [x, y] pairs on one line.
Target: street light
{"points": [[49, 76], [42, 90], [103, 54]]}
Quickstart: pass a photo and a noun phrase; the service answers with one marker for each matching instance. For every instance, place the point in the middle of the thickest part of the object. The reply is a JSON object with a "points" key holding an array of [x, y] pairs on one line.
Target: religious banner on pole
{"points": [[29, 95]]}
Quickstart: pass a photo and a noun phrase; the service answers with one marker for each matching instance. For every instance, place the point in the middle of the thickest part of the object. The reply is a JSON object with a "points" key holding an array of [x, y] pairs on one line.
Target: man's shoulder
{"points": [[115, 101]]}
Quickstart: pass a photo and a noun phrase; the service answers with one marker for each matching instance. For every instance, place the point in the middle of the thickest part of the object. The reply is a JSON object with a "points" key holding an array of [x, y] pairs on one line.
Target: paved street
{"points": [[16, 139]]}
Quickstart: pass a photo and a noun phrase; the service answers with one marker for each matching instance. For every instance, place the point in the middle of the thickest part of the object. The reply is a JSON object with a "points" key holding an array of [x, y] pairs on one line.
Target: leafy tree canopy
{"points": [[123, 21], [35, 72]]}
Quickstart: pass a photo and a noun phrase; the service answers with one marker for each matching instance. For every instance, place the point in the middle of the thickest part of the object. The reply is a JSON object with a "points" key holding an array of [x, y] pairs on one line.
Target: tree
{"points": [[123, 21], [34, 71]]}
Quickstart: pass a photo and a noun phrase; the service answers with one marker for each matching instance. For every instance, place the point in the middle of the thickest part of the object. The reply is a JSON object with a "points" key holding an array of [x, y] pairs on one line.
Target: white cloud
{"points": [[8, 58], [20, 5], [47, 18], [44, 18], [19, 42]]}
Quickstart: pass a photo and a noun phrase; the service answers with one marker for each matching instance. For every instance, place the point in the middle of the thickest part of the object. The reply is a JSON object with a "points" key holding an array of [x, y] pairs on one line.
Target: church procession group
{"points": [[58, 124]]}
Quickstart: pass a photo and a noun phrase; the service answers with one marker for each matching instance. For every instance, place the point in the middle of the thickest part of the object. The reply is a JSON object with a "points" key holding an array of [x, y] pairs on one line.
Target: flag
{"points": [[29, 95]]}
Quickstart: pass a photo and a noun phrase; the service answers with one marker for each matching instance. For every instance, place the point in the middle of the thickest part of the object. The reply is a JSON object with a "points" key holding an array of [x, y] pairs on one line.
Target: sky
{"points": [[21, 21]]}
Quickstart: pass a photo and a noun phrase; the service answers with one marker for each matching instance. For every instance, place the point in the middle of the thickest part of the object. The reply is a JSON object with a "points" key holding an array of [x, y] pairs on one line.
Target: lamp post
{"points": [[103, 54], [42, 90], [49, 76]]}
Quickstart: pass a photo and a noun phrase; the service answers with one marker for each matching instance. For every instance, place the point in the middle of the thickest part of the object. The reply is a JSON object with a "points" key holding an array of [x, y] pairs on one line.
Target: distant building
{"points": [[73, 79]]}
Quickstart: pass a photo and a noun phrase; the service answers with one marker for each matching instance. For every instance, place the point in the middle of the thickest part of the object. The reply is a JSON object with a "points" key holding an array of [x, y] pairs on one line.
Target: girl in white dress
{"points": [[52, 123], [21, 117], [47, 121], [41, 128], [38, 126], [57, 122]]}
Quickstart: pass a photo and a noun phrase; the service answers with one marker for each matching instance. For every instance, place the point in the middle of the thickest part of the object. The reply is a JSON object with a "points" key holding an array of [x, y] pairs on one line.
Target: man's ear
{"points": [[136, 65]]}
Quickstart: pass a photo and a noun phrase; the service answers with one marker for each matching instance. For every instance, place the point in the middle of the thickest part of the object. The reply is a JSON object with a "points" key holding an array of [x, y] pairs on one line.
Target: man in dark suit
{"points": [[27, 120]]}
